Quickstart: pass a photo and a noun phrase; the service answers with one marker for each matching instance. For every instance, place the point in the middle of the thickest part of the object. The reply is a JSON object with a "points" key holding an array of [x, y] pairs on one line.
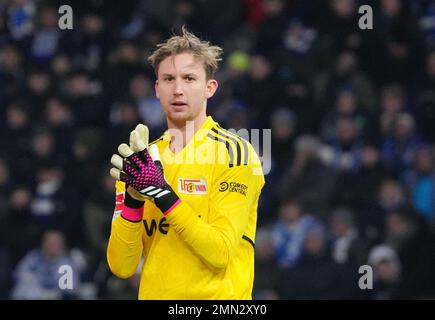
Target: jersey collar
{"points": [[201, 133]]}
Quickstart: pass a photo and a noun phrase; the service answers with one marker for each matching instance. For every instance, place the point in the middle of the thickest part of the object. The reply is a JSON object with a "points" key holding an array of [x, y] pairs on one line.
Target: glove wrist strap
{"points": [[131, 202], [168, 202], [133, 209]]}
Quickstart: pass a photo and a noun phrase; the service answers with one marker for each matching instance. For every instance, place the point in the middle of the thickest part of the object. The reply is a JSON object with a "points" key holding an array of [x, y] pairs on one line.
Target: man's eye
{"points": [[168, 79], [190, 78]]}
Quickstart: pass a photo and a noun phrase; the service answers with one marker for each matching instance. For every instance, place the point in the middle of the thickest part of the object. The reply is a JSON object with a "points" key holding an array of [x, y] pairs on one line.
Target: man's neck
{"points": [[181, 134]]}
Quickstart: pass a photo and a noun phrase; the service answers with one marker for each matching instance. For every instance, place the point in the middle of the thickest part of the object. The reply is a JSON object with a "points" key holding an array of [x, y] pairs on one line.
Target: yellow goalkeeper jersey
{"points": [[204, 248]]}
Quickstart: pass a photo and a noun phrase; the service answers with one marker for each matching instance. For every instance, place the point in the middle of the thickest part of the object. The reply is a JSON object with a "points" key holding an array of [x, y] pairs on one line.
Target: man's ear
{"points": [[212, 86], [156, 88]]}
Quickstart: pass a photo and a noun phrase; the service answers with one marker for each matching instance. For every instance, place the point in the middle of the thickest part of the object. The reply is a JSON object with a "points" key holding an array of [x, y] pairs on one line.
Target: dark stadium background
{"points": [[352, 113]]}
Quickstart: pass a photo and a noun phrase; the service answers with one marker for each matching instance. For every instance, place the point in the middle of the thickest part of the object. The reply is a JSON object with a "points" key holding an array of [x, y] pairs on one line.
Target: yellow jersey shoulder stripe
{"points": [[227, 145], [232, 139], [239, 141]]}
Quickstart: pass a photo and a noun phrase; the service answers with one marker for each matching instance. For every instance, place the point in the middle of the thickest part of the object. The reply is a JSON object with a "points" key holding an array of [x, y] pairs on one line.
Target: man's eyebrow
{"points": [[189, 74]]}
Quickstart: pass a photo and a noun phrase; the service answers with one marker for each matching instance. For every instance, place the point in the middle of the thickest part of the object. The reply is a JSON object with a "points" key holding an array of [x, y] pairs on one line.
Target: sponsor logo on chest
{"points": [[192, 186]]}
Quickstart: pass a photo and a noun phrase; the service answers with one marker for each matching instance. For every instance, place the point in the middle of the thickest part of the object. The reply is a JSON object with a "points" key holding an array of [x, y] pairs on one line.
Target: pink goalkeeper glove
{"points": [[143, 171]]}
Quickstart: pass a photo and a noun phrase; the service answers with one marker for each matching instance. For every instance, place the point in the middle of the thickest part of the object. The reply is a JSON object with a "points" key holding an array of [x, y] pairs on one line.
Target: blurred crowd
{"points": [[352, 114]]}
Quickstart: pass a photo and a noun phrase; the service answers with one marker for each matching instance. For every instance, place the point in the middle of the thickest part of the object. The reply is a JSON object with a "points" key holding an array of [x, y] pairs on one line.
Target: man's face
{"points": [[183, 89]]}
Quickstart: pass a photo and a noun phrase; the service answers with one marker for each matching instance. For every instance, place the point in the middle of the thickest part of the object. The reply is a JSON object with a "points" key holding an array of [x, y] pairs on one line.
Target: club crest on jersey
{"points": [[192, 186]]}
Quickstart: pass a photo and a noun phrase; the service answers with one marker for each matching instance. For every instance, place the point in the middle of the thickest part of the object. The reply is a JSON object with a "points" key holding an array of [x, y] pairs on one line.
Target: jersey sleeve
{"points": [[234, 197], [125, 245]]}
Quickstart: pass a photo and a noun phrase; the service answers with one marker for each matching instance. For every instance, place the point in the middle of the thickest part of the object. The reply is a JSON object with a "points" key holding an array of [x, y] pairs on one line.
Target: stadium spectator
{"points": [[390, 196], [38, 274], [398, 149], [420, 180], [347, 247], [407, 232], [308, 177], [288, 233], [386, 272], [315, 276]]}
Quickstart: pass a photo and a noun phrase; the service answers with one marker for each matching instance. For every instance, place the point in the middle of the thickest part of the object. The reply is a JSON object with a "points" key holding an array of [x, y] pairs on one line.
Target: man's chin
{"points": [[179, 118]]}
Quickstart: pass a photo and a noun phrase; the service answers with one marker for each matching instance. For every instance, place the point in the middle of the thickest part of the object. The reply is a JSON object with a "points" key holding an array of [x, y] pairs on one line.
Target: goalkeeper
{"points": [[191, 218]]}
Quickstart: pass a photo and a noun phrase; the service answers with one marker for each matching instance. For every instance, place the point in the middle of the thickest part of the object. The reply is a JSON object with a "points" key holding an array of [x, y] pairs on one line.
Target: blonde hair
{"points": [[188, 42]]}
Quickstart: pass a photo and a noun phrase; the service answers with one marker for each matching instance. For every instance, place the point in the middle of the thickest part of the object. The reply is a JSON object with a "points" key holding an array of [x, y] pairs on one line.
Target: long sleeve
{"points": [[125, 245], [233, 198]]}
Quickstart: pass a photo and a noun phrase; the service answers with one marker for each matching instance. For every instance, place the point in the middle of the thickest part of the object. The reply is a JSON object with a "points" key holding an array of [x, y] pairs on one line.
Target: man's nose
{"points": [[178, 88]]}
